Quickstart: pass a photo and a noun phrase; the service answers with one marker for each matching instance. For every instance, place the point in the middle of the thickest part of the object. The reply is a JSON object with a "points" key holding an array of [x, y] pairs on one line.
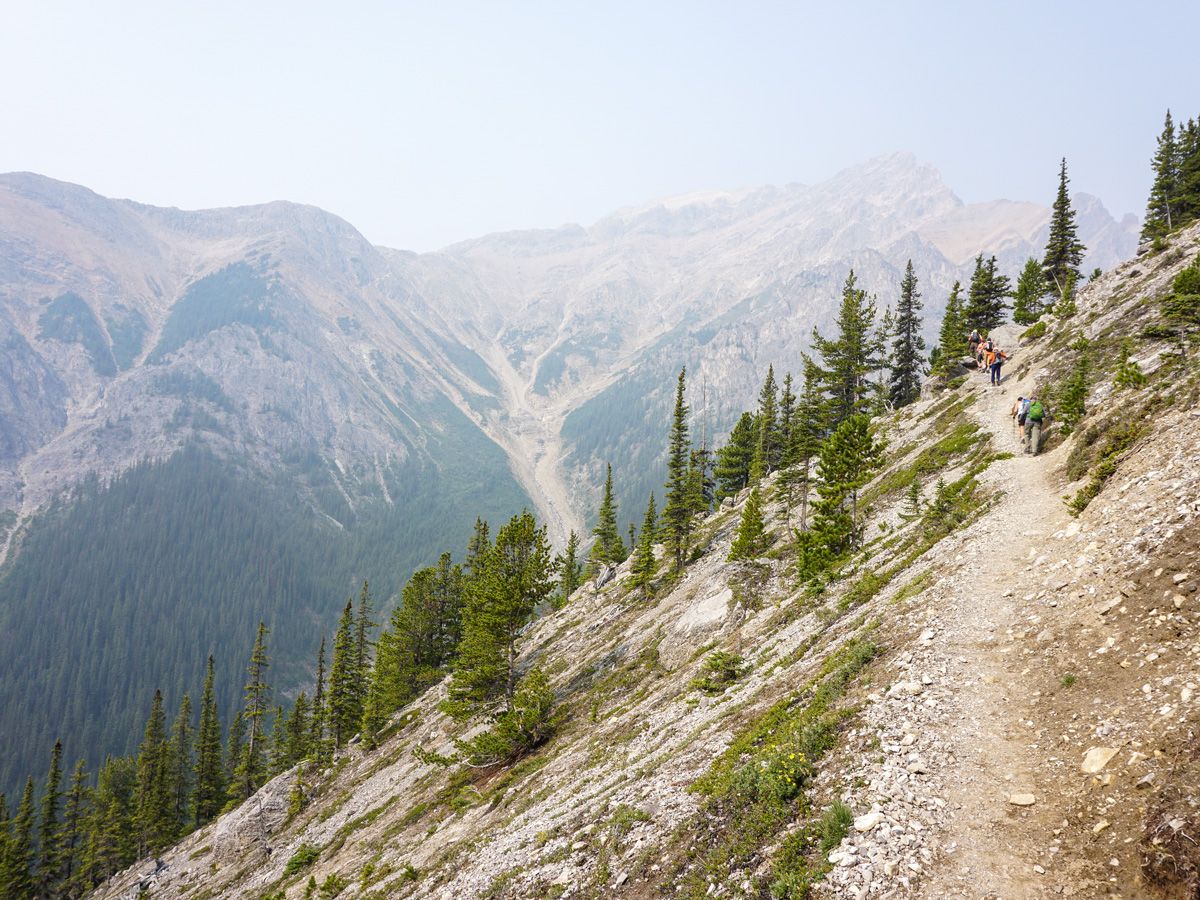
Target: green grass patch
{"points": [[306, 854], [802, 859]]}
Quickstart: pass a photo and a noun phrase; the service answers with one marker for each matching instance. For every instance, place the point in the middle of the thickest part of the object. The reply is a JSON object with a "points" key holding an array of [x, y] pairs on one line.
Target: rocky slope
{"points": [[384, 399], [1002, 696]]}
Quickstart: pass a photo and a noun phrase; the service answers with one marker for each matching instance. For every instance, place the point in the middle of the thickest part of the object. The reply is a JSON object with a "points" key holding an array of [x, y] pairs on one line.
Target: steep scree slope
{"points": [[959, 687]]}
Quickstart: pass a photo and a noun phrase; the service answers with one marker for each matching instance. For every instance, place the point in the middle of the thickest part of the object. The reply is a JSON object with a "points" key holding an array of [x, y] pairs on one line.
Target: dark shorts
{"points": [[1021, 419]]}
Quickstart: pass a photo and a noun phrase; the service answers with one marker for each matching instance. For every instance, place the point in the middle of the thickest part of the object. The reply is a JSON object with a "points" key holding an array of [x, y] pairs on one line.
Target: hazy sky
{"points": [[426, 123]]}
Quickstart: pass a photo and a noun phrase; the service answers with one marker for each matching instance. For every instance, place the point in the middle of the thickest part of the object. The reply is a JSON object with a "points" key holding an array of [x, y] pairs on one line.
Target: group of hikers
{"points": [[988, 357], [1028, 413]]}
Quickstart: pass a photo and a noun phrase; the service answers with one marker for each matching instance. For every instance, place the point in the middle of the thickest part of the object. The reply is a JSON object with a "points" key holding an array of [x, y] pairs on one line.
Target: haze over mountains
{"points": [[374, 401]]}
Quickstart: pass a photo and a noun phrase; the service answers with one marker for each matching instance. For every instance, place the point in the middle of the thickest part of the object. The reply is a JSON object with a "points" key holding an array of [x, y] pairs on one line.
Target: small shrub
{"points": [[1129, 373], [1033, 332], [1068, 680], [333, 885], [721, 669], [306, 854]]}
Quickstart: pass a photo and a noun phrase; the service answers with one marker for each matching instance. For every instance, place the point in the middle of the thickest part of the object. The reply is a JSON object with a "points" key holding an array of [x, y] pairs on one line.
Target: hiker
{"points": [[1017, 414], [996, 360], [973, 343], [1034, 417]]}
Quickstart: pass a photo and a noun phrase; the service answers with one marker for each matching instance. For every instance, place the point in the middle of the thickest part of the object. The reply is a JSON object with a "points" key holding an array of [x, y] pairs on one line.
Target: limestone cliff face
{"points": [[950, 691]]}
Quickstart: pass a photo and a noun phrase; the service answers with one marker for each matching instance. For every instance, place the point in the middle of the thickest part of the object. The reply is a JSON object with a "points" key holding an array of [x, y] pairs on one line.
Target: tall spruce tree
{"points": [[1031, 288], [787, 415], [751, 538], [49, 827], [952, 338], [732, 470], [848, 460], [848, 360], [1064, 251], [768, 451], [181, 766], [516, 576], [252, 768], [808, 430], [111, 841], [1187, 202], [477, 547], [73, 836], [17, 879], [152, 815], [644, 563], [608, 548], [908, 347], [298, 730], [1164, 191], [986, 295], [677, 511], [364, 625], [570, 570], [345, 708], [209, 794], [318, 743]]}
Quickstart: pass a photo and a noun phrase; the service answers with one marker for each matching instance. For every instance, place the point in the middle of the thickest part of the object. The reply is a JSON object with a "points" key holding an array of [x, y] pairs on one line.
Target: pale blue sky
{"points": [[426, 123]]}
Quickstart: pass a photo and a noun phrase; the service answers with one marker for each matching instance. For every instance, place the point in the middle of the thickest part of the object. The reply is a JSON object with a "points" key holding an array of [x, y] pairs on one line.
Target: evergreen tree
{"points": [[516, 577], [677, 512], [1072, 400], [787, 415], [209, 794], [5, 842], [363, 645], [699, 483], [884, 337], [570, 570], [908, 347], [644, 563], [1031, 288], [318, 744], [1129, 374], [298, 730], [751, 538], [808, 430], [251, 769], [278, 757], [49, 828], [345, 708], [1064, 252], [732, 470], [1187, 203], [420, 640], [477, 548], [181, 766], [74, 831], [17, 879], [986, 296], [235, 745], [111, 842], [848, 360], [1164, 191], [767, 451], [152, 815], [952, 339], [608, 548], [848, 460]]}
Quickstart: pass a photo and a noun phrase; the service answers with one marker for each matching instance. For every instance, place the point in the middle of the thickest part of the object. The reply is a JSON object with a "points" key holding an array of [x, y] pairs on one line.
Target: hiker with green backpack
{"points": [[1035, 415]]}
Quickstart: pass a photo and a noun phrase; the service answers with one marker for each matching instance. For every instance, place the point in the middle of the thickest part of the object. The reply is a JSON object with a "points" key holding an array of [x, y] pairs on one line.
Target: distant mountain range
{"points": [[371, 402]]}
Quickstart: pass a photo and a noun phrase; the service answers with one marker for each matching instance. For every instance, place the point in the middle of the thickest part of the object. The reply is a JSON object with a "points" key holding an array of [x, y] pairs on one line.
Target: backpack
{"points": [[1036, 411]]}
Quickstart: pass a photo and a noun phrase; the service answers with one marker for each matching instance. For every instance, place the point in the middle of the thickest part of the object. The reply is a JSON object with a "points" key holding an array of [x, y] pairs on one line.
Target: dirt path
{"points": [[992, 846]]}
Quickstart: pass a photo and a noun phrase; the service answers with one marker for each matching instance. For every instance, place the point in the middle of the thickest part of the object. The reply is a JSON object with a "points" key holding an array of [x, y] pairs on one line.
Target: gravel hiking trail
{"points": [[1004, 803]]}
